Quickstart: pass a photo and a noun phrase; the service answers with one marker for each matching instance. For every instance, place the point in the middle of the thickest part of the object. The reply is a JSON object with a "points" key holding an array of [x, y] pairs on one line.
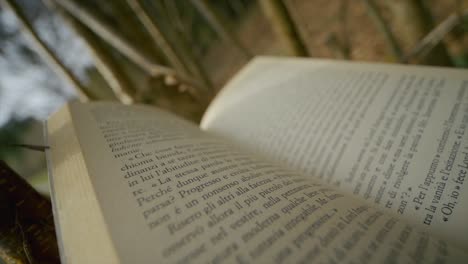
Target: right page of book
{"points": [[393, 135]]}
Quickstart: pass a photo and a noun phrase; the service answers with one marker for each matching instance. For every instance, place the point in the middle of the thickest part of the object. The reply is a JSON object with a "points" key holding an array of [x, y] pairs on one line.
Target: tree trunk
{"points": [[182, 45], [414, 21], [384, 28], [218, 23], [157, 36], [284, 27]]}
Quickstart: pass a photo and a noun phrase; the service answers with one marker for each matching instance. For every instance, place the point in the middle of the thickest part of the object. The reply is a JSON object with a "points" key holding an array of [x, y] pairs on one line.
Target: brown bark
{"points": [[27, 233], [384, 28], [157, 36], [437, 34], [284, 27], [217, 22], [413, 21], [182, 44]]}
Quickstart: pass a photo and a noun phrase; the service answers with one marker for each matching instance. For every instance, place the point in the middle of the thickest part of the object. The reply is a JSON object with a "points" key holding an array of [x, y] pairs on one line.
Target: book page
{"points": [[395, 136], [75, 208], [170, 193]]}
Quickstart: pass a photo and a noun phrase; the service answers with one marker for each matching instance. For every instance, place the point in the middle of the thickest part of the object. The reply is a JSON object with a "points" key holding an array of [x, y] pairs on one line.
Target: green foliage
{"points": [[12, 133], [461, 61]]}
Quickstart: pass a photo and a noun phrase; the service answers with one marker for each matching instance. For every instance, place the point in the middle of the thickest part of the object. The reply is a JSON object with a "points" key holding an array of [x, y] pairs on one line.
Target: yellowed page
{"points": [[80, 227], [171, 193], [393, 135]]}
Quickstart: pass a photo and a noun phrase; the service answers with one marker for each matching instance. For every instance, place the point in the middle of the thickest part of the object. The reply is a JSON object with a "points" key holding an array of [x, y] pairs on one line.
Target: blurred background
{"points": [[177, 54]]}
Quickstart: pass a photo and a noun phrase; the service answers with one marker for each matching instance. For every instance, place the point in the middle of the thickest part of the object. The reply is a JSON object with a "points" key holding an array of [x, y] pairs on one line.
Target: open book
{"points": [[295, 161]]}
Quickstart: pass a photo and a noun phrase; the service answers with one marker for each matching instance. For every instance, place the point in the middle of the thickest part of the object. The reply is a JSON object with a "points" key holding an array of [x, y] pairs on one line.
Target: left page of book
{"points": [[170, 193], [77, 216]]}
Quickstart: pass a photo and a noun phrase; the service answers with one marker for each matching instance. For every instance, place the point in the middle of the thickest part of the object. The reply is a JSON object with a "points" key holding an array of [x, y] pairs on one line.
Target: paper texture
{"points": [[172, 193], [393, 135]]}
